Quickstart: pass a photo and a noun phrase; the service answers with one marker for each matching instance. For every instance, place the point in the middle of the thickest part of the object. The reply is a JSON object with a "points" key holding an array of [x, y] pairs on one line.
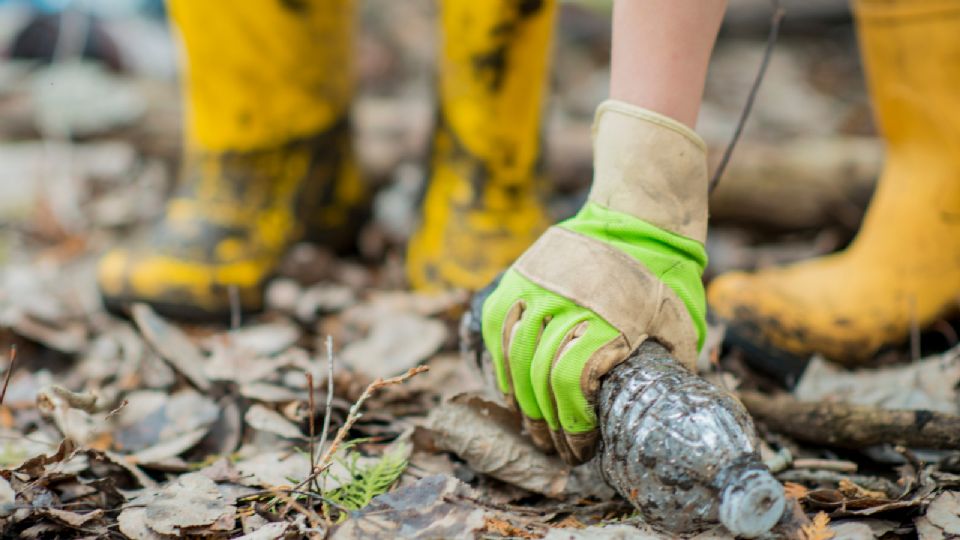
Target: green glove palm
{"points": [[583, 297]]}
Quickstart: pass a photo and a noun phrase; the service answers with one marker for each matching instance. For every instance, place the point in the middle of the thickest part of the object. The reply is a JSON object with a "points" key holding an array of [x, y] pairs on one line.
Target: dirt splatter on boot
{"points": [[482, 207]]}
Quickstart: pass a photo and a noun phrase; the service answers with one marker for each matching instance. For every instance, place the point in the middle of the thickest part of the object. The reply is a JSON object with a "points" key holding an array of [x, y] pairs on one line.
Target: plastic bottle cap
{"points": [[752, 504]]}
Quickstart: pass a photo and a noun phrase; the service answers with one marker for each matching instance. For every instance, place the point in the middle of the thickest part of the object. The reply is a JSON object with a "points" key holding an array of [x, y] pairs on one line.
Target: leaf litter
{"points": [[150, 428]]}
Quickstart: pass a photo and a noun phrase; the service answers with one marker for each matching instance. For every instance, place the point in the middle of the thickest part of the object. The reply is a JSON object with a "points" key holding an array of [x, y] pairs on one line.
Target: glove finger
{"points": [[495, 311], [591, 347], [551, 339], [521, 340]]}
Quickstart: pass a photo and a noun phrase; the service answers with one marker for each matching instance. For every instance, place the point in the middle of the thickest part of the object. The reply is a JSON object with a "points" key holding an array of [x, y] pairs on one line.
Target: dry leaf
{"points": [[854, 491], [818, 529], [264, 419], [269, 531], [427, 509], [264, 339], [797, 491], [133, 524], [502, 527], [8, 498], [928, 384], [155, 426], [616, 532], [943, 516], [395, 343], [487, 436], [569, 522], [190, 501], [273, 469], [173, 345]]}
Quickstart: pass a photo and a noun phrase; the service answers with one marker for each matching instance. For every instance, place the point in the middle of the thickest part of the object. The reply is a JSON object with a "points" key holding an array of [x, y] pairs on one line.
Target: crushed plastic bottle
{"points": [[683, 451]]}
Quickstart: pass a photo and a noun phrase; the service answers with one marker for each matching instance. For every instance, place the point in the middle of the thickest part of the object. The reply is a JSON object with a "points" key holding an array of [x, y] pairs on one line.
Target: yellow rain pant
{"points": [[482, 206], [266, 86]]}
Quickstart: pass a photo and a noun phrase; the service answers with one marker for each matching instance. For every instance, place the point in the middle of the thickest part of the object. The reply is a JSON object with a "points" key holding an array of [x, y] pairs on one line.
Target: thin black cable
{"points": [[775, 21]]}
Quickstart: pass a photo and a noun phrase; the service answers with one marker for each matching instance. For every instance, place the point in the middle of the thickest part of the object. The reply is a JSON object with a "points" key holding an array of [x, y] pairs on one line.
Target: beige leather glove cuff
{"points": [[650, 166]]}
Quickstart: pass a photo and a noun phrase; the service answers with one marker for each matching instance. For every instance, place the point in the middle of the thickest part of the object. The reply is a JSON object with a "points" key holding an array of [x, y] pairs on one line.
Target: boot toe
{"points": [[177, 288]]}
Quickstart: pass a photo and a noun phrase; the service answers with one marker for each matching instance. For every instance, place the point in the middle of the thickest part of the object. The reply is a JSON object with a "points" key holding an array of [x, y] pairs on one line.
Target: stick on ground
{"points": [[6, 379], [853, 426]]}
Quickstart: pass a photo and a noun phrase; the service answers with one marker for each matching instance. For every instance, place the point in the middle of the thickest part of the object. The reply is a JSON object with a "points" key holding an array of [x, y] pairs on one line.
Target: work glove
{"points": [[591, 289]]}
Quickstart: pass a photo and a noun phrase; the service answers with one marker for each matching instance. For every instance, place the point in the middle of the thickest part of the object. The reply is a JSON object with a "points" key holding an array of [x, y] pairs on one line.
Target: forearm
{"points": [[660, 53]]}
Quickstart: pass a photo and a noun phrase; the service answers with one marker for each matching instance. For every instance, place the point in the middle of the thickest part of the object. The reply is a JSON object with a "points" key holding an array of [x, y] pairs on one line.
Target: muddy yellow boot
{"points": [[268, 155], [904, 264], [482, 207]]}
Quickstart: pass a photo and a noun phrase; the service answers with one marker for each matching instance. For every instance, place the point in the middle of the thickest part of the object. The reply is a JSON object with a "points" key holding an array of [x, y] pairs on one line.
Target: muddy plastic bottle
{"points": [[683, 451]]}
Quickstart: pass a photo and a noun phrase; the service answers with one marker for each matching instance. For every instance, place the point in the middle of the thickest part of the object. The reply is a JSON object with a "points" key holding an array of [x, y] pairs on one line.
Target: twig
{"points": [[354, 414], [300, 493], [6, 378], [775, 21], [810, 476], [119, 408], [312, 439], [328, 409], [235, 314], [838, 465], [314, 518], [853, 426]]}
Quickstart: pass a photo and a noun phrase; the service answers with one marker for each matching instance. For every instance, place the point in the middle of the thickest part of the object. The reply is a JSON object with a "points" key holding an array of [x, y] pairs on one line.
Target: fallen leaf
{"points": [[944, 513], [927, 530], [156, 426], [928, 384], [8, 498], [862, 529], [273, 469], [270, 531], [271, 393], [172, 344], [66, 337], [264, 419], [818, 529], [35, 466], [265, 339], [854, 491], [190, 501], [394, 344], [502, 527], [426, 509], [487, 436], [323, 298], [795, 490], [73, 519], [611, 532], [133, 523]]}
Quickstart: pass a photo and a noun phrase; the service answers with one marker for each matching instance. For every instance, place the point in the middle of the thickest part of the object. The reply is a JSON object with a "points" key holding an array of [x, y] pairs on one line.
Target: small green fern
{"points": [[369, 481]]}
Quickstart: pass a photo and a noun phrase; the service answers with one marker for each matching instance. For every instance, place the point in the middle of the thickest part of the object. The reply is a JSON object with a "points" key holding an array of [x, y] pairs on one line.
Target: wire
{"points": [[775, 22]]}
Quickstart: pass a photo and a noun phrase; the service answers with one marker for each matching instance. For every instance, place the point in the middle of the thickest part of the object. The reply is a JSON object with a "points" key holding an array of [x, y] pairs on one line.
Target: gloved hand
{"points": [[625, 269]]}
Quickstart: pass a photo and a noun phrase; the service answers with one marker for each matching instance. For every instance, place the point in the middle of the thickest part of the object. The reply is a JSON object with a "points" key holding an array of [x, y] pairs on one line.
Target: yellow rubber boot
{"points": [[904, 264], [482, 207], [268, 155]]}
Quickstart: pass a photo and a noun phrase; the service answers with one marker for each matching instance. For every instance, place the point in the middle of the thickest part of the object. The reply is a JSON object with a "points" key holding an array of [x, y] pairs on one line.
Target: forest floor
{"points": [[325, 415]]}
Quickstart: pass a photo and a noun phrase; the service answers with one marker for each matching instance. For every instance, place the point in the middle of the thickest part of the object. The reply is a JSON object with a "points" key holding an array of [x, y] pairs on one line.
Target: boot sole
{"points": [[784, 367], [120, 306]]}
